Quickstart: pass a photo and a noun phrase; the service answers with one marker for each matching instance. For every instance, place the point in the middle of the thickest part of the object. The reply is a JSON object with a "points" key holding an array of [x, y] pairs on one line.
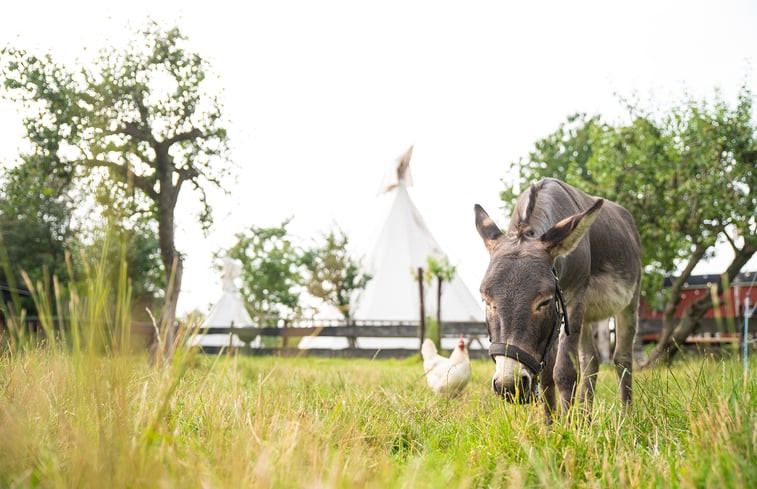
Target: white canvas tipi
{"points": [[403, 245], [227, 311]]}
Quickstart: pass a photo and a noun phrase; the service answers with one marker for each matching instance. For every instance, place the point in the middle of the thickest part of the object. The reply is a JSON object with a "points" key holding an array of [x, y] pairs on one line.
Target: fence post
{"points": [[231, 336], [422, 324], [747, 313]]}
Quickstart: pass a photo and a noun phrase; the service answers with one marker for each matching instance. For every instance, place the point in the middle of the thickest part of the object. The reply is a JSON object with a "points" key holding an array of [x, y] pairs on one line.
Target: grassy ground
{"points": [[86, 420]]}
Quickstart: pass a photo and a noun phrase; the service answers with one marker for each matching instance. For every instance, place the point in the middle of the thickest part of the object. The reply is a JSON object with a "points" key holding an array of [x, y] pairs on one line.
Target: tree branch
{"points": [[668, 318], [132, 130], [186, 173], [696, 310], [142, 183], [675, 290], [730, 240], [185, 136], [144, 113]]}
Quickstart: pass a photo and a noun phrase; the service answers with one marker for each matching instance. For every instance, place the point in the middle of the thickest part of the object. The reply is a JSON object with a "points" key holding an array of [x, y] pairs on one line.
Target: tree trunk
{"points": [[164, 343], [173, 266], [668, 318], [690, 320], [168, 318]]}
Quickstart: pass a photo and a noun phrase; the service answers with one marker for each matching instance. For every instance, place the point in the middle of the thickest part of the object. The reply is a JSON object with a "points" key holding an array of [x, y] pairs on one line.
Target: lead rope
{"points": [[562, 311]]}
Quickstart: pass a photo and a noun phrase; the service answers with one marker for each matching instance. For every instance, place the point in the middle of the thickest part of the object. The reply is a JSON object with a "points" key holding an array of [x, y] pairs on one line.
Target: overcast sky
{"points": [[322, 96]]}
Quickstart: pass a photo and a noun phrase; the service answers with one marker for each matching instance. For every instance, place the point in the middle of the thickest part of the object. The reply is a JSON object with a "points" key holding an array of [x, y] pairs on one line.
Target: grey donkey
{"points": [[568, 259]]}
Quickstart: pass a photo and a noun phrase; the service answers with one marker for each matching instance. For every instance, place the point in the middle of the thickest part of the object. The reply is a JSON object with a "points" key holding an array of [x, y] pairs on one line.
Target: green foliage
{"points": [[441, 269], [685, 174], [132, 129], [564, 154], [137, 249], [275, 272], [36, 219], [334, 275], [36, 225], [88, 313], [272, 271]]}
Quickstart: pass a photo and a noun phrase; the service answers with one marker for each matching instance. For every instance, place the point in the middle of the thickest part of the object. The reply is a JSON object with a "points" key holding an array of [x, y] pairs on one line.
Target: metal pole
{"points": [[747, 312]]}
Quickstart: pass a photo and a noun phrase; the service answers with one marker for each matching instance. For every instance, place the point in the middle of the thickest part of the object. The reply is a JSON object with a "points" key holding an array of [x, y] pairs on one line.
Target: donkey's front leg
{"points": [[566, 367], [547, 384], [565, 373], [589, 364]]}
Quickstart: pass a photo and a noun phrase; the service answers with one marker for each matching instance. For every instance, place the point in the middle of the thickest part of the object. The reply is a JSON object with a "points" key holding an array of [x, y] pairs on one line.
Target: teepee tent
{"points": [[228, 311], [402, 246]]}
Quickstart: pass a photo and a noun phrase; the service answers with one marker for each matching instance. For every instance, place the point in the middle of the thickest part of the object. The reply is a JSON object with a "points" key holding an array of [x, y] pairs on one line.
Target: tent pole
{"points": [[422, 324]]}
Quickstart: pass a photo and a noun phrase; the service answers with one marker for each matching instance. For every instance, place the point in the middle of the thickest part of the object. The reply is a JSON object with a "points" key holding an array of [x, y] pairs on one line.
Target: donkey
{"points": [[568, 259]]}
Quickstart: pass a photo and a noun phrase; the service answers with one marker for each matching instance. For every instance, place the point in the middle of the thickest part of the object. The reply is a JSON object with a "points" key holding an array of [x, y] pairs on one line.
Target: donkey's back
{"points": [[608, 263]]}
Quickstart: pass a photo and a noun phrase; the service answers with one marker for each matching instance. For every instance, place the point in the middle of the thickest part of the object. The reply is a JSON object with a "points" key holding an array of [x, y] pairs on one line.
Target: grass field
{"points": [[93, 420]]}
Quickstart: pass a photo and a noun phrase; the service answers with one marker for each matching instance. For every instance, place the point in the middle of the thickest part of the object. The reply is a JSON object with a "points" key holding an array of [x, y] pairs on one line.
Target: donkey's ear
{"points": [[564, 236], [488, 230]]}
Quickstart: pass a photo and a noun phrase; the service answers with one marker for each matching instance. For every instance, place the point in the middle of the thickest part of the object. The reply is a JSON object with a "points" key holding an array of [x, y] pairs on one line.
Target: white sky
{"points": [[322, 96]]}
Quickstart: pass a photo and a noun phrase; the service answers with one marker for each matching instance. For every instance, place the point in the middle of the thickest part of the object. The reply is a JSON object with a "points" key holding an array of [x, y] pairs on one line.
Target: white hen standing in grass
{"points": [[446, 375]]}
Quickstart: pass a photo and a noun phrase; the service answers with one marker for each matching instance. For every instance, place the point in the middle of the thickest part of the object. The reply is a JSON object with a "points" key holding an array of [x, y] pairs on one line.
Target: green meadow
{"points": [[87, 410], [84, 419]]}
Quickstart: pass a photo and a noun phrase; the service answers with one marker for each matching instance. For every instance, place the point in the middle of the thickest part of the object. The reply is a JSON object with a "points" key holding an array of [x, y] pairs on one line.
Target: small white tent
{"points": [[402, 246], [227, 311]]}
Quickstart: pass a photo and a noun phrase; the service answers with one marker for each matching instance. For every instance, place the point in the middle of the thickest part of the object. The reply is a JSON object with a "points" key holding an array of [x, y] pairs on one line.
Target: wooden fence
{"points": [[283, 337], [291, 333], [709, 331]]}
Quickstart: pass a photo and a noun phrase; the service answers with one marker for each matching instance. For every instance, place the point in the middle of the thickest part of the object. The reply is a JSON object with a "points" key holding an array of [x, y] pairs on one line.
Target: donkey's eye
{"points": [[544, 303]]}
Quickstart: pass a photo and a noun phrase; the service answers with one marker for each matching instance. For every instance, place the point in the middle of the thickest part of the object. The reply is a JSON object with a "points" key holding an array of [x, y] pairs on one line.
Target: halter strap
{"points": [[512, 351], [518, 354]]}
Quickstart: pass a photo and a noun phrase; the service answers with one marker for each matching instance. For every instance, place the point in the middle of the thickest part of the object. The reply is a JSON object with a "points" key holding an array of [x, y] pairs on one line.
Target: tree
{"points": [[335, 275], [139, 122], [35, 228], [37, 224], [272, 272], [563, 154], [685, 175], [443, 271], [720, 145]]}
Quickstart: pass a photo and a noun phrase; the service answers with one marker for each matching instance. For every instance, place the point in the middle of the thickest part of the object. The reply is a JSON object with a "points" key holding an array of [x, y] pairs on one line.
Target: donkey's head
{"points": [[523, 297]]}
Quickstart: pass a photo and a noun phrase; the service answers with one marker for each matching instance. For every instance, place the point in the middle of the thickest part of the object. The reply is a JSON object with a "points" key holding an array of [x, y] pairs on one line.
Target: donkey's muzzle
{"points": [[517, 389]]}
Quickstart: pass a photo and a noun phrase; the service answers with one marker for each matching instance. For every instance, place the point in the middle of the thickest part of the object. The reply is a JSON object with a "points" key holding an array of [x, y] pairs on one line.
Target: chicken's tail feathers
{"points": [[428, 349]]}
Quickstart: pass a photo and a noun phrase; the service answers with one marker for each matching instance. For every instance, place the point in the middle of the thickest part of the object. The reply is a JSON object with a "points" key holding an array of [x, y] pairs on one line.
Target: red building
{"points": [[724, 321]]}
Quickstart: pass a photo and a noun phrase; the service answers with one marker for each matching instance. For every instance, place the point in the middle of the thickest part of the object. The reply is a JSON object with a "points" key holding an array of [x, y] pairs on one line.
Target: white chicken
{"points": [[446, 375]]}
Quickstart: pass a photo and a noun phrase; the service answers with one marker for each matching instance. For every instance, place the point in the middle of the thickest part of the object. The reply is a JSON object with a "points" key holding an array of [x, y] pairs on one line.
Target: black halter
{"points": [[518, 354]]}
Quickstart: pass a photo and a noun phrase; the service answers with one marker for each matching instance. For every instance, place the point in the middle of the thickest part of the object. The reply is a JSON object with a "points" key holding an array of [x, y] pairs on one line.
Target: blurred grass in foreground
{"points": [[81, 411], [113, 421]]}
